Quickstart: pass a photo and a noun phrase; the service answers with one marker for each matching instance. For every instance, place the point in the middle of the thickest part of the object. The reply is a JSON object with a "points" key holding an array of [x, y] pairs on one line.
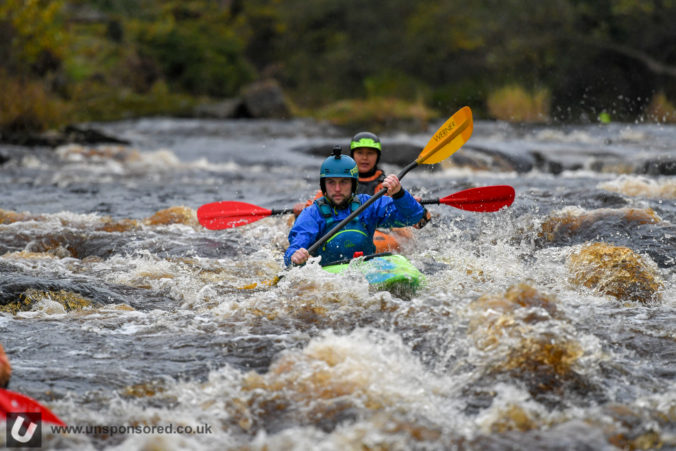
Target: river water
{"points": [[547, 325]]}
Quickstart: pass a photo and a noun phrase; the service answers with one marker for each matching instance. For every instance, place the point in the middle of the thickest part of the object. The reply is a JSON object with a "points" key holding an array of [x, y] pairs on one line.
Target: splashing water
{"points": [[546, 325]]}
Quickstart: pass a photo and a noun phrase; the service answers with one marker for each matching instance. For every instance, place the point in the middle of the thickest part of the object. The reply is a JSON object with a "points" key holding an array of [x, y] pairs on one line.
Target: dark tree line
{"points": [[106, 58]]}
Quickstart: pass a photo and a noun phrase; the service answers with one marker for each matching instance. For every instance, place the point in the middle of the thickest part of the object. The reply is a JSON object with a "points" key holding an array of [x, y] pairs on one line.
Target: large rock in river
{"points": [[523, 334], [70, 134], [616, 271], [571, 222], [265, 99]]}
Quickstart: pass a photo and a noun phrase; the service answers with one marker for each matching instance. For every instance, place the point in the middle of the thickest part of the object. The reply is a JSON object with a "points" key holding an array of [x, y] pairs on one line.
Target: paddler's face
{"points": [[366, 158], [338, 189]]}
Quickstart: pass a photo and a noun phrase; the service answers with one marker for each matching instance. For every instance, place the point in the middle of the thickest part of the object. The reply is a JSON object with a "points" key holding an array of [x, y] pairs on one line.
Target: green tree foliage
{"points": [[195, 46], [626, 51], [32, 45], [330, 49], [113, 58], [592, 55], [32, 38]]}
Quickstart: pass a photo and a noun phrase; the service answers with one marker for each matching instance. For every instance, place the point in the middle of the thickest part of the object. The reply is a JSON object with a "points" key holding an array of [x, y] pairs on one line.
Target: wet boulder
{"points": [[660, 166], [53, 301], [265, 99], [571, 222], [88, 135], [261, 100], [640, 228], [494, 315], [75, 239], [490, 159], [400, 154], [9, 216], [23, 292], [521, 333], [226, 109], [66, 243], [70, 134], [545, 164], [173, 215], [517, 297], [615, 271], [638, 186]]}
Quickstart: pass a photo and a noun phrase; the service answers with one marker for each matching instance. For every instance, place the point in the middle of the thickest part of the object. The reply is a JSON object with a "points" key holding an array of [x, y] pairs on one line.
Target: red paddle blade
{"points": [[16, 402], [229, 214], [484, 198]]}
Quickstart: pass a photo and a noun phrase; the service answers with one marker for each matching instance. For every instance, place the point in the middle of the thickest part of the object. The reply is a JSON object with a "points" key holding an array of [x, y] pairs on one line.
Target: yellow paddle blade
{"points": [[450, 137]]}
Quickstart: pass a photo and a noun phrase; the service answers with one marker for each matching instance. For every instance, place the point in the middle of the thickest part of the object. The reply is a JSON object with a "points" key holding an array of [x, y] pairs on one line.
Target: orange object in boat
{"points": [[391, 240]]}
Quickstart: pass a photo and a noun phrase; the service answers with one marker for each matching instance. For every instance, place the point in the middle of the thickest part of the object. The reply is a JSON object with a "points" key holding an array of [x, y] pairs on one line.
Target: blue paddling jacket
{"points": [[357, 235]]}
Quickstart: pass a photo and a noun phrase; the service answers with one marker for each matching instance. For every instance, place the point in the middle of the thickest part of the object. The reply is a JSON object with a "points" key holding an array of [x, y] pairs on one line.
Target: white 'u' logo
{"points": [[27, 435]]}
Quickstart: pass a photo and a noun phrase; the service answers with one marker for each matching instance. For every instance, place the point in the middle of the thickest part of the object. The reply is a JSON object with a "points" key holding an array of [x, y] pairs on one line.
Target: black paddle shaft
{"points": [[286, 211], [354, 214]]}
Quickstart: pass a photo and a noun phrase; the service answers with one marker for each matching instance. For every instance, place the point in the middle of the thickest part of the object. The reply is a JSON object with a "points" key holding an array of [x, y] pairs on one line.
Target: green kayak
{"points": [[389, 272]]}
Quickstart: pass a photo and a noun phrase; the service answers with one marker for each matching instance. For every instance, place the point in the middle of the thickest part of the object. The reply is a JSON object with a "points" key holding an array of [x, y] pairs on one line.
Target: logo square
{"points": [[24, 429]]}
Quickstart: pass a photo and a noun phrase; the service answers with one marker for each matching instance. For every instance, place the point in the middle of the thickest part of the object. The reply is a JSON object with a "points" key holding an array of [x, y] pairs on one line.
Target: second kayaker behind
{"points": [[366, 150], [338, 182]]}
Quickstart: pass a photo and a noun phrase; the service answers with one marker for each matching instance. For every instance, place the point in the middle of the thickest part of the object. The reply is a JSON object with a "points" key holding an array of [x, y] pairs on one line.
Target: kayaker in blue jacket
{"points": [[338, 178], [365, 149]]}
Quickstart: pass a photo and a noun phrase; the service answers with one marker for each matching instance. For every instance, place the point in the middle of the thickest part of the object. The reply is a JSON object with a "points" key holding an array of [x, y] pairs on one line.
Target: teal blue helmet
{"points": [[340, 166]]}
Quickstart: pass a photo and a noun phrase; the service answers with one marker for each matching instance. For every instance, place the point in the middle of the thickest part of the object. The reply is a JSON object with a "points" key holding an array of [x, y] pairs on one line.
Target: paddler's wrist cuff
{"points": [[399, 194]]}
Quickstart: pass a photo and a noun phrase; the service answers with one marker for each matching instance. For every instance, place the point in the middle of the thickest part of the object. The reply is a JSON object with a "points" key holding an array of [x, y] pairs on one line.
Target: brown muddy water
{"points": [[547, 325]]}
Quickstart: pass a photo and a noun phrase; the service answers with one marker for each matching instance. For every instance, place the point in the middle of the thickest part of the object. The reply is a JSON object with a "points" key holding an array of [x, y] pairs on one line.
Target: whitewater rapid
{"points": [[548, 325]]}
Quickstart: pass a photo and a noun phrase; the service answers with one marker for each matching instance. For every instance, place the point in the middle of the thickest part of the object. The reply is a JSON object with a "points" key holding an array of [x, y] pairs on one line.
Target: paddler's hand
{"points": [[391, 183], [300, 256]]}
